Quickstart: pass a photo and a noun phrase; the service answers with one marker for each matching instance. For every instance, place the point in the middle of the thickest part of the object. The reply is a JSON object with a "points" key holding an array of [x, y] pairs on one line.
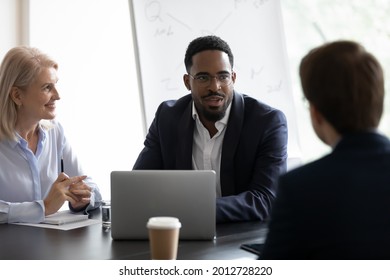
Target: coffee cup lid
{"points": [[163, 222]]}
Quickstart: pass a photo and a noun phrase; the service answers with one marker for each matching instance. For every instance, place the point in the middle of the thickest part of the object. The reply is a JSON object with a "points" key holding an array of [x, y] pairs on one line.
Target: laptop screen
{"points": [[138, 195]]}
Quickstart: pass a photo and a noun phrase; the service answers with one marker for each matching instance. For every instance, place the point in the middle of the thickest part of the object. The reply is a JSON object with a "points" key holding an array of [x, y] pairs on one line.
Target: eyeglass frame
{"points": [[217, 77]]}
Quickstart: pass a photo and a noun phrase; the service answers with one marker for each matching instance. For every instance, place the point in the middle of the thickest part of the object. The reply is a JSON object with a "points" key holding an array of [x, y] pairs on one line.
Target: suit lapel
{"points": [[230, 142], [185, 133]]}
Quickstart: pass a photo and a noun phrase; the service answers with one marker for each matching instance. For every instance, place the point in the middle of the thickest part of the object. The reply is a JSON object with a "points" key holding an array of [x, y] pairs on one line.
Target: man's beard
{"points": [[213, 116]]}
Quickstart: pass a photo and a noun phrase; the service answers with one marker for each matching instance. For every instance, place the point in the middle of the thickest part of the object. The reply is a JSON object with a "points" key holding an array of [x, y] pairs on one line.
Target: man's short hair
{"points": [[346, 85], [203, 44]]}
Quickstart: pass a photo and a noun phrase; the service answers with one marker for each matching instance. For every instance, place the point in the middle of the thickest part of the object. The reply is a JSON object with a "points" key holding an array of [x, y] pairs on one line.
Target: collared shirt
{"points": [[206, 151], [26, 178]]}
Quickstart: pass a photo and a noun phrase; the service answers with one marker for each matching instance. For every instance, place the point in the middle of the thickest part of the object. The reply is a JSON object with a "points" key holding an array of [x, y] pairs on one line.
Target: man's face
{"points": [[211, 82]]}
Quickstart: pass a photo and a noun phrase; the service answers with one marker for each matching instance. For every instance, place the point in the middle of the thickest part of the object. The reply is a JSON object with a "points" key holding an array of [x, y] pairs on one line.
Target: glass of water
{"points": [[106, 214]]}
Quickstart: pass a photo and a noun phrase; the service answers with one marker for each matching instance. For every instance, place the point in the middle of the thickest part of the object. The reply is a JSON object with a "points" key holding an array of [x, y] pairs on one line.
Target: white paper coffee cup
{"points": [[163, 237]]}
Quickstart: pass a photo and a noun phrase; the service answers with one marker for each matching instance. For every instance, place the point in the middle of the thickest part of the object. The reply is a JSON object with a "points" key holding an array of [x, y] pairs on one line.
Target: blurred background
{"points": [[93, 43]]}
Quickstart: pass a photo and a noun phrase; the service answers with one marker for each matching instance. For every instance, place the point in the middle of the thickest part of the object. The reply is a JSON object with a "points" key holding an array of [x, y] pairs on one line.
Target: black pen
{"points": [[62, 165]]}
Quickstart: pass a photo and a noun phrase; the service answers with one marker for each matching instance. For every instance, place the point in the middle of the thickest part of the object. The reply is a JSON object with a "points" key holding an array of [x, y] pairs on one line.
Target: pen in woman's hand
{"points": [[62, 165]]}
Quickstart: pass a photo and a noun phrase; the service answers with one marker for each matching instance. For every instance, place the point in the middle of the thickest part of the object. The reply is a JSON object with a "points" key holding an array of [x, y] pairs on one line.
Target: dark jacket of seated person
{"points": [[337, 207], [253, 153], [215, 128]]}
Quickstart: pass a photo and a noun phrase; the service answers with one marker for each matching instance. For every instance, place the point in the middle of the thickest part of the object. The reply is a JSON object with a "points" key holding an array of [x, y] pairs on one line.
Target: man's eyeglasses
{"points": [[223, 79]]}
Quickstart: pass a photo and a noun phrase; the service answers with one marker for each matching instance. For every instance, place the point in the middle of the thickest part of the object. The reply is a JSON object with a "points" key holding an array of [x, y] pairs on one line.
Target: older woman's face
{"points": [[39, 98]]}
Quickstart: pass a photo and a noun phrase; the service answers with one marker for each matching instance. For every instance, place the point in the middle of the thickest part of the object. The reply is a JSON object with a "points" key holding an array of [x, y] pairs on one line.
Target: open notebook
{"points": [[64, 217]]}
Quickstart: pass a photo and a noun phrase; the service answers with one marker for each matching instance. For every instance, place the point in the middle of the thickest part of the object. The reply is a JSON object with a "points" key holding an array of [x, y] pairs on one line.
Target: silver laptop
{"points": [[138, 195]]}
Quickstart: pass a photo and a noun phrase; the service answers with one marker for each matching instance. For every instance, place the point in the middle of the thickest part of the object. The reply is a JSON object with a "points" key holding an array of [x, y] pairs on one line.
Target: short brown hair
{"points": [[346, 85]]}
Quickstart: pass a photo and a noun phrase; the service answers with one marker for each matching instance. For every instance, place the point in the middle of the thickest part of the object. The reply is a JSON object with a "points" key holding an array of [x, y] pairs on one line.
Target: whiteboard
{"points": [[162, 30]]}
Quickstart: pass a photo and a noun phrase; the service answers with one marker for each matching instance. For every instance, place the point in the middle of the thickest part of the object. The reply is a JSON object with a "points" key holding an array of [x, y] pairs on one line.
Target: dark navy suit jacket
{"points": [[254, 153], [337, 207]]}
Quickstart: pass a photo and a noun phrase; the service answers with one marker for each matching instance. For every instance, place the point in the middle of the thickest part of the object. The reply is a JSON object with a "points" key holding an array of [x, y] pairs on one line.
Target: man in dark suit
{"points": [[216, 128], [337, 207]]}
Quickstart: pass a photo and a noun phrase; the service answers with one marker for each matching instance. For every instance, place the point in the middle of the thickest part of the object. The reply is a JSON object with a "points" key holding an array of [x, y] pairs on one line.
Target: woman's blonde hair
{"points": [[20, 66]]}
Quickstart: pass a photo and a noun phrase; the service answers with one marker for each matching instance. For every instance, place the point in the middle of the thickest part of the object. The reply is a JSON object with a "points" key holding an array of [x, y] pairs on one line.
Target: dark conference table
{"points": [[18, 242]]}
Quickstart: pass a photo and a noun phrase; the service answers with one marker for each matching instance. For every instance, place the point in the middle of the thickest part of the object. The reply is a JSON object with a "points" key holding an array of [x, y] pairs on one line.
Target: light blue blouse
{"points": [[26, 178]]}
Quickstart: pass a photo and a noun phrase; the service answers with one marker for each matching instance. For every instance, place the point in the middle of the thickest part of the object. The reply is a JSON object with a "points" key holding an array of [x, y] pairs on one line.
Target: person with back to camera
{"points": [[337, 207], [216, 128], [32, 144]]}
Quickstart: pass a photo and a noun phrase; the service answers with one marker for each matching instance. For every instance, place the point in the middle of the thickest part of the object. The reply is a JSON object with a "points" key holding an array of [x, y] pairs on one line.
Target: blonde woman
{"points": [[33, 147]]}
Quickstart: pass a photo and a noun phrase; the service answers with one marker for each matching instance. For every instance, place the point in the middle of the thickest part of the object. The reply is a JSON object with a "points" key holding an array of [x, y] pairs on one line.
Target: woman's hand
{"points": [[66, 188], [83, 194]]}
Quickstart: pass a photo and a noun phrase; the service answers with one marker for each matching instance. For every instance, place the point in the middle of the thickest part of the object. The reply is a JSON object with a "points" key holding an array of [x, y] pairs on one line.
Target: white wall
{"points": [[8, 26], [99, 107]]}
